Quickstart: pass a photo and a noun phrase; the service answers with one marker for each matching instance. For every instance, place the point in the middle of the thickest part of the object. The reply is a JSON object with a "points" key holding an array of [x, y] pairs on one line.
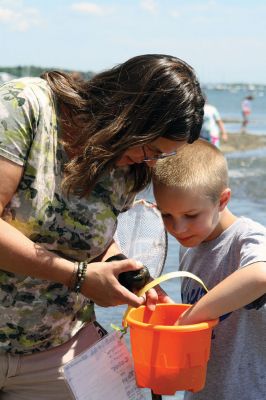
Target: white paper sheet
{"points": [[103, 372]]}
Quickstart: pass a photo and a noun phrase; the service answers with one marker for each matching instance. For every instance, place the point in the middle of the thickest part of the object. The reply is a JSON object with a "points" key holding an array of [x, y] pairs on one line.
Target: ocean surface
{"points": [[247, 171], [228, 103]]}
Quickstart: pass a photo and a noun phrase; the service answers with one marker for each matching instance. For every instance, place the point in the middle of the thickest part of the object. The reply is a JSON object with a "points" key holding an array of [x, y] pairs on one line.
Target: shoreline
{"points": [[242, 142]]}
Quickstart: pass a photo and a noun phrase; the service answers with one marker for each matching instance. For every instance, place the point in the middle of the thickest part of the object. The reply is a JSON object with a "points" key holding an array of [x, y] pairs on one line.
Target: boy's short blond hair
{"points": [[199, 166]]}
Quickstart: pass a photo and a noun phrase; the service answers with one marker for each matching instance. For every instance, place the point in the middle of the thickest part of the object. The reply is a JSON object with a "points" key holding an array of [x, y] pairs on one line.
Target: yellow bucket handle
{"points": [[160, 279]]}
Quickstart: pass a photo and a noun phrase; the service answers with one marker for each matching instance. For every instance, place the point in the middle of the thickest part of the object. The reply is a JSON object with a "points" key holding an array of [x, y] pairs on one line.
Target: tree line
{"points": [[30, 70]]}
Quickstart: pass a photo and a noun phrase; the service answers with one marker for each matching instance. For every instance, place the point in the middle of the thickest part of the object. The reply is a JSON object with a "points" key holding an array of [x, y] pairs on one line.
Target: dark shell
{"points": [[134, 280]]}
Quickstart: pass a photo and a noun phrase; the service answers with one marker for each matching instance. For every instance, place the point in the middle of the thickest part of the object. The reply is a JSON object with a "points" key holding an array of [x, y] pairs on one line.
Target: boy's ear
{"points": [[224, 198]]}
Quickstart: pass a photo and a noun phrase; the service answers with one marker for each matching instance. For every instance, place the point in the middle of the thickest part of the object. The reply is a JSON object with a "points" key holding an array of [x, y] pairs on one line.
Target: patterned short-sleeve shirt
{"points": [[38, 314]]}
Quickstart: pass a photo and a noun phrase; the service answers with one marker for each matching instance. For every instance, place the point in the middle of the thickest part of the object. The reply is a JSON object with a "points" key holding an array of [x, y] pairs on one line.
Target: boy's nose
{"points": [[179, 226]]}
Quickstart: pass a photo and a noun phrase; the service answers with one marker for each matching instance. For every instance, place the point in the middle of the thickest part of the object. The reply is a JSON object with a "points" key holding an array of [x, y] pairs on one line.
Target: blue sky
{"points": [[224, 40]]}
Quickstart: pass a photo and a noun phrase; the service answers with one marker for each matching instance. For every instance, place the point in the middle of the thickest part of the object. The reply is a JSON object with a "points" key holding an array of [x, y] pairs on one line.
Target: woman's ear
{"points": [[224, 198]]}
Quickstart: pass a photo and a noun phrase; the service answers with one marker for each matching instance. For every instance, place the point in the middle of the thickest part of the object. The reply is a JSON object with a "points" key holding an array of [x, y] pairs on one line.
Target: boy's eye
{"points": [[191, 215]]}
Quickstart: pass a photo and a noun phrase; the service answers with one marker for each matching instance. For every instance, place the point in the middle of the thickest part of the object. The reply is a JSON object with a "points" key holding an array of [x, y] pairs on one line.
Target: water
{"points": [[247, 171], [228, 103]]}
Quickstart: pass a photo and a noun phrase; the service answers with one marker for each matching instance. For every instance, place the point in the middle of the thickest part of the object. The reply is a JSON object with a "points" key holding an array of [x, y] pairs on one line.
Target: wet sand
{"points": [[243, 141]]}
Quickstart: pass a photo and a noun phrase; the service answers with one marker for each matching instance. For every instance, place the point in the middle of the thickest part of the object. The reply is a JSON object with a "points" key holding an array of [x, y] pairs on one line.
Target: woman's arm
{"points": [[236, 291], [20, 255], [112, 250]]}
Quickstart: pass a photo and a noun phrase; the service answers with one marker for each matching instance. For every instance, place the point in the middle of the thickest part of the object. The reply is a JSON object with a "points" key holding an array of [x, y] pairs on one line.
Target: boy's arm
{"points": [[236, 291]]}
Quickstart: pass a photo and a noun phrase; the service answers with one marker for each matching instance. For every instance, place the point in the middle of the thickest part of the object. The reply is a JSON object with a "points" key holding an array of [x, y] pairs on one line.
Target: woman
{"points": [[73, 155]]}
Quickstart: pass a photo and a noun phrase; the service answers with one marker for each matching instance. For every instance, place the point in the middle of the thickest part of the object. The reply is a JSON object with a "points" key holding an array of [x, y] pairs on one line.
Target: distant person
{"points": [[246, 111], [229, 254], [213, 126]]}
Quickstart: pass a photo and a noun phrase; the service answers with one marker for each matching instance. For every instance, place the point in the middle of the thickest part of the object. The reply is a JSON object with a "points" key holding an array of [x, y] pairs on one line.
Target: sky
{"points": [[223, 40]]}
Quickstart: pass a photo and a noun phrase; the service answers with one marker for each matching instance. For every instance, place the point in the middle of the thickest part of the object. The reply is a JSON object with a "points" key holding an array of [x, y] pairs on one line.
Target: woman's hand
{"points": [[101, 283]]}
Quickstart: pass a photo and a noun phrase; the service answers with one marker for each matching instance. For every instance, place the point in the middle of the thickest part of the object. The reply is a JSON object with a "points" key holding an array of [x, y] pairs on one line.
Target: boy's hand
{"points": [[183, 319], [156, 295]]}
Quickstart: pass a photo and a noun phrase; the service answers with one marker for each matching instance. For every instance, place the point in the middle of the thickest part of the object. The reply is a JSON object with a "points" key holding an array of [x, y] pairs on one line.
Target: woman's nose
{"points": [[151, 163]]}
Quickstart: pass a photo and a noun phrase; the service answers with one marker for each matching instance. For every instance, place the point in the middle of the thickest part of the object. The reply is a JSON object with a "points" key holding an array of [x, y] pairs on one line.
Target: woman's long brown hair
{"points": [[134, 103]]}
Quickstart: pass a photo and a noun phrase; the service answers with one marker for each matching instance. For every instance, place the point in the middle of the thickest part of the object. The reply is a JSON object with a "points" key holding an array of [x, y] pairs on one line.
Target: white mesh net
{"points": [[141, 235]]}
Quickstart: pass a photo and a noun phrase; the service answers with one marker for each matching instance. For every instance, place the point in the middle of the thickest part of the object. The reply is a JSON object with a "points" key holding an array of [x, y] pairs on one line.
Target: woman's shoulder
{"points": [[25, 88], [23, 83], [30, 93]]}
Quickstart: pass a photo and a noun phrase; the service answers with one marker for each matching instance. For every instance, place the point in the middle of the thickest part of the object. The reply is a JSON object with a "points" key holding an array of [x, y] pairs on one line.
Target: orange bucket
{"points": [[168, 358]]}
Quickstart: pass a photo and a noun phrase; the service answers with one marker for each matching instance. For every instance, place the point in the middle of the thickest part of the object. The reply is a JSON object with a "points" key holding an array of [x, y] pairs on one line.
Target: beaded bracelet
{"points": [[73, 276], [80, 276]]}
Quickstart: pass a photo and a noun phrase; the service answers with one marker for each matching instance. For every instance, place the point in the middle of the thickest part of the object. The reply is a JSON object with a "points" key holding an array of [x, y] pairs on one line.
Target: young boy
{"points": [[229, 254]]}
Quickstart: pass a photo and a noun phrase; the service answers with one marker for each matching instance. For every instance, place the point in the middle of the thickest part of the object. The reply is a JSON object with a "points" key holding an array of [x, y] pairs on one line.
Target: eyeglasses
{"points": [[158, 157]]}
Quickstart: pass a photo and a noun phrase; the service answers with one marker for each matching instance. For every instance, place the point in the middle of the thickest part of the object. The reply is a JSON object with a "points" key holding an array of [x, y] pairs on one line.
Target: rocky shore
{"points": [[243, 141]]}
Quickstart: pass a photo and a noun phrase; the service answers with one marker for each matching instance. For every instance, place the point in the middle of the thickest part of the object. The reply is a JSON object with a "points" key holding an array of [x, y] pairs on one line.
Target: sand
{"points": [[243, 141]]}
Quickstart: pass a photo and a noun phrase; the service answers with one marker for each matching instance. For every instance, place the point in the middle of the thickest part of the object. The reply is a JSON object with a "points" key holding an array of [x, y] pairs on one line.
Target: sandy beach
{"points": [[243, 141]]}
